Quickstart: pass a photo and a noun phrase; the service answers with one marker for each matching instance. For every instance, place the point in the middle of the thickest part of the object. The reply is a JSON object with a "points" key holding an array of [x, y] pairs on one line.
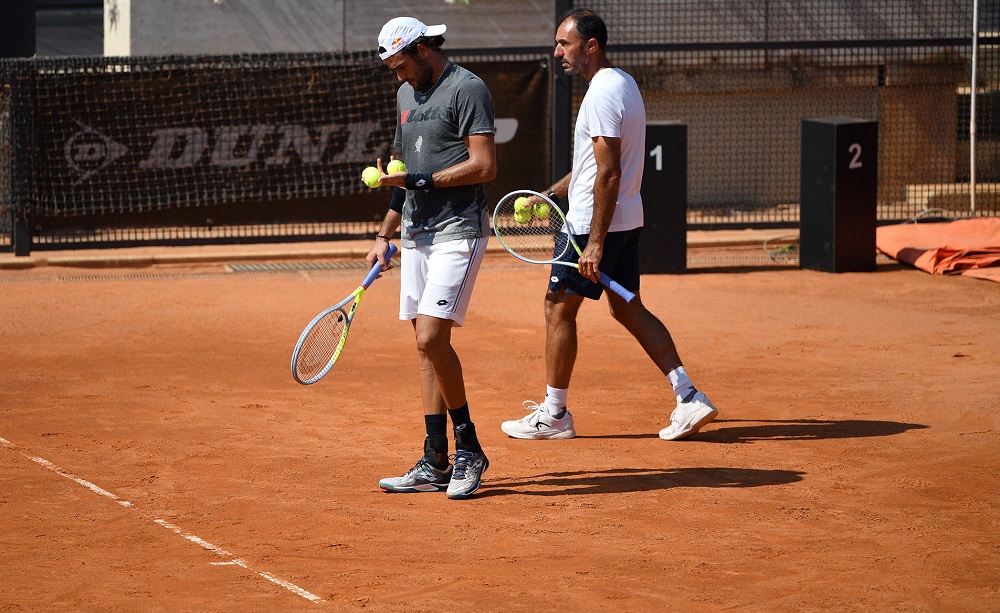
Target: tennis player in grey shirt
{"points": [[445, 136]]}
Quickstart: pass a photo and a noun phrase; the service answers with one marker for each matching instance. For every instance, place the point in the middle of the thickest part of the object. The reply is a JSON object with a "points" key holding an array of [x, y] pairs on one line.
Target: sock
{"points": [[437, 425], [465, 430], [460, 416], [683, 388], [555, 401]]}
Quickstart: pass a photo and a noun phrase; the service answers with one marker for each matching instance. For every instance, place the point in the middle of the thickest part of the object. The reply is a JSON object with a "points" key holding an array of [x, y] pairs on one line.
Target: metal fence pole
{"points": [[562, 109], [972, 106]]}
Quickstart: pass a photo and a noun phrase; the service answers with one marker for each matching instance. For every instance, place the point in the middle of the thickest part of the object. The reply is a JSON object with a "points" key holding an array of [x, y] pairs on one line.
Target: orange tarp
{"points": [[969, 247]]}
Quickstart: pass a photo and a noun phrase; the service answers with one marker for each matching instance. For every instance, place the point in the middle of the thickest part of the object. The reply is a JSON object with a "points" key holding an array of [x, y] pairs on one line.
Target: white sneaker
{"points": [[689, 417], [539, 424]]}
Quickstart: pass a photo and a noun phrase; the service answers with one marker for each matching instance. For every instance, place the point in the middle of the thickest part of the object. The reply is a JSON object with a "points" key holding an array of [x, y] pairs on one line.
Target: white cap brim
{"points": [[437, 30]]}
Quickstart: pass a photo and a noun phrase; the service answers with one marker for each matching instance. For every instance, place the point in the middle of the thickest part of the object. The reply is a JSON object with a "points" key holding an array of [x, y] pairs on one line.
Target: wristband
{"points": [[552, 196], [419, 180], [388, 238], [398, 199]]}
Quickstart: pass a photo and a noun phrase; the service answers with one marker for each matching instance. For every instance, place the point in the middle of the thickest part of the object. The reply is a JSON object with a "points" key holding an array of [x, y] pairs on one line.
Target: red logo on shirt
{"points": [[402, 118]]}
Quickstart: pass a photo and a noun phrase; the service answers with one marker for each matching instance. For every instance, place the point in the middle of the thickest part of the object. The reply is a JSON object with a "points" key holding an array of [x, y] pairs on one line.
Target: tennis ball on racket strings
{"points": [[521, 205], [522, 216], [371, 176], [542, 210], [395, 166]]}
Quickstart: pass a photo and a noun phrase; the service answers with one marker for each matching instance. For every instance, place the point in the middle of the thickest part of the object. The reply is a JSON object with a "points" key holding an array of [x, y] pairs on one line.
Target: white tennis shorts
{"points": [[437, 280]]}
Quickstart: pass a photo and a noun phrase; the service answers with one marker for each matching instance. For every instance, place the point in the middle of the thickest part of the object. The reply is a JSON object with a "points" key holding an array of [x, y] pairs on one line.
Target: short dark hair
{"points": [[589, 24], [432, 42]]}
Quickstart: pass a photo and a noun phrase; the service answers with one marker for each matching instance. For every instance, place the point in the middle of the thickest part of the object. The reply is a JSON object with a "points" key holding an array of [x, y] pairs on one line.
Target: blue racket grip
{"points": [[614, 286], [377, 268]]}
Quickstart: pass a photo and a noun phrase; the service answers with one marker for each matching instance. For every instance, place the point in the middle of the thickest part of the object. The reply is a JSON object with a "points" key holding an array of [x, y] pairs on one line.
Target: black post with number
{"points": [[663, 244], [838, 194], [17, 28]]}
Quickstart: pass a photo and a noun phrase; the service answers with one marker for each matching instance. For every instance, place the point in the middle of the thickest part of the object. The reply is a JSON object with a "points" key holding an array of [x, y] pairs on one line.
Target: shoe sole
{"points": [[698, 424], [539, 437], [419, 489]]}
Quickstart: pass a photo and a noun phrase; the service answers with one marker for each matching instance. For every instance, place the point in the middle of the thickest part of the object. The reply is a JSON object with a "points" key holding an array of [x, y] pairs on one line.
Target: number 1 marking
{"points": [[657, 153]]}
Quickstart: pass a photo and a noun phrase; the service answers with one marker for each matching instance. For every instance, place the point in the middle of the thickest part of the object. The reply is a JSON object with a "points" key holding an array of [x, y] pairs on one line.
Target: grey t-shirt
{"points": [[429, 131]]}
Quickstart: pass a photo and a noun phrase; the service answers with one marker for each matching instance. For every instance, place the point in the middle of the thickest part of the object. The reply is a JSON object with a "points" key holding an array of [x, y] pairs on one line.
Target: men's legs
{"points": [[653, 336], [551, 419], [436, 299], [433, 472], [435, 415], [693, 409], [561, 310], [447, 391], [442, 382]]}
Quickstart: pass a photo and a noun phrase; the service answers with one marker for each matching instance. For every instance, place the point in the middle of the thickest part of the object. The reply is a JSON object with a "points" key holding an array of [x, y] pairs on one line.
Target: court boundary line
{"points": [[236, 561]]}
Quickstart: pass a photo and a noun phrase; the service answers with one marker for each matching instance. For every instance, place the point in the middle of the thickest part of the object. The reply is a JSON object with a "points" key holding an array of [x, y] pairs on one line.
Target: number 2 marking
{"points": [[855, 148], [657, 153]]}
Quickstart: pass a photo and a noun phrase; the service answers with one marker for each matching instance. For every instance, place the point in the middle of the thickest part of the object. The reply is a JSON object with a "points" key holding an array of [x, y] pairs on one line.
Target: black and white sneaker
{"points": [[468, 472]]}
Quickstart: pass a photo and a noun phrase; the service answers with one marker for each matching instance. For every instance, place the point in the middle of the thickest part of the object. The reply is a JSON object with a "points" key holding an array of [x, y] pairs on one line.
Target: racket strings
{"points": [[527, 234], [320, 344]]}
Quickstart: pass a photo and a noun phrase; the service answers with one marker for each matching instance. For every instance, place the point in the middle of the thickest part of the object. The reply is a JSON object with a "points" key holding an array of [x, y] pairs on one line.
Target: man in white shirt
{"points": [[605, 208]]}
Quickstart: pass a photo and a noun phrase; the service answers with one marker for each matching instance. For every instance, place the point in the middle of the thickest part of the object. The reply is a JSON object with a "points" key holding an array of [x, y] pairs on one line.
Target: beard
{"points": [[577, 67], [422, 78]]}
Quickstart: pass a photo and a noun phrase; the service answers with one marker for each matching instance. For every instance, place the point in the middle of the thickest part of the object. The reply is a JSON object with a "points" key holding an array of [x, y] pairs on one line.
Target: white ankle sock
{"points": [[555, 400], [679, 380]]}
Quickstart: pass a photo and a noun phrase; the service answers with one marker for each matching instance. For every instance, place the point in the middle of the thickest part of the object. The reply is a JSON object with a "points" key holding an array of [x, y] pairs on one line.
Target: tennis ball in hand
{"points": [[371, 176], [542, 210], [395, 166], [523, 216], [521, 205]]}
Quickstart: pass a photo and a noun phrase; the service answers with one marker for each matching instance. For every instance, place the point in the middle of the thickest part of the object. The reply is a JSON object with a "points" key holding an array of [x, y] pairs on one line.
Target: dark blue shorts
{"points": [[620, 261]]}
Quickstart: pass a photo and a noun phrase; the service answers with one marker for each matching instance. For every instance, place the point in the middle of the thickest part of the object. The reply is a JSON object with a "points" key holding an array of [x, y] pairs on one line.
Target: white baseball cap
{"points": [[399, 32]]}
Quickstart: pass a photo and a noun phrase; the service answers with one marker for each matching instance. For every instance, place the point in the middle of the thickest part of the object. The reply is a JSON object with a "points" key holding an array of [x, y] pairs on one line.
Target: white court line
{"points": [[239, 562], [288, 585]]}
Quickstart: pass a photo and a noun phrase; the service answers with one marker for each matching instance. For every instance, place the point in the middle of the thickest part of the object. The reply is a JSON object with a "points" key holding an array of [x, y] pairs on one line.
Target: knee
{"points": [[431, 345]]}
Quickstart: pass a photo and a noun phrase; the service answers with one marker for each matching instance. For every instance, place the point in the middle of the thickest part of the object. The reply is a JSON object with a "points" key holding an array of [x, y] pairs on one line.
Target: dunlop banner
{"points": [[120, 135]]}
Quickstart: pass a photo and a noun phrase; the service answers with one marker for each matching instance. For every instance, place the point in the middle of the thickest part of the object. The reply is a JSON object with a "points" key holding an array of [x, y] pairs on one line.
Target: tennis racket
{"points": [[323, 340], [530, 227]]}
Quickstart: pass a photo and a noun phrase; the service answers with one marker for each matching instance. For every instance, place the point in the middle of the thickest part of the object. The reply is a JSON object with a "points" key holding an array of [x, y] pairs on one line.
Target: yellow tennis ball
{"points": [[523, 216], [521, 205], [395, 166], [542, 210], [371, 176]]}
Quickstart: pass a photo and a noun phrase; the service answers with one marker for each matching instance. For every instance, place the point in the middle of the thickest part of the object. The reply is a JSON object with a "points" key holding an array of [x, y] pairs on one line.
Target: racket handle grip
{"points": [[614, 286], [377, 268]]}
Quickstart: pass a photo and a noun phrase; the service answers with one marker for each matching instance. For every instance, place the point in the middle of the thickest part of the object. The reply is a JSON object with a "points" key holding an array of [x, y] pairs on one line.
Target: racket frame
{"points": [[354, 297]]}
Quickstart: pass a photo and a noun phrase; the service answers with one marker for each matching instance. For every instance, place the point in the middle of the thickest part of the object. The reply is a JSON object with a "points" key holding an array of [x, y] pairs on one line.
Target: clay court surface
{"points": [[158, 456]]}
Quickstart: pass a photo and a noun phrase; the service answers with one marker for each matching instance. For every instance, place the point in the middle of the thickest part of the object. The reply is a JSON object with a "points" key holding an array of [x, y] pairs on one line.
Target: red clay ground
{"points": [[158, 456]]}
